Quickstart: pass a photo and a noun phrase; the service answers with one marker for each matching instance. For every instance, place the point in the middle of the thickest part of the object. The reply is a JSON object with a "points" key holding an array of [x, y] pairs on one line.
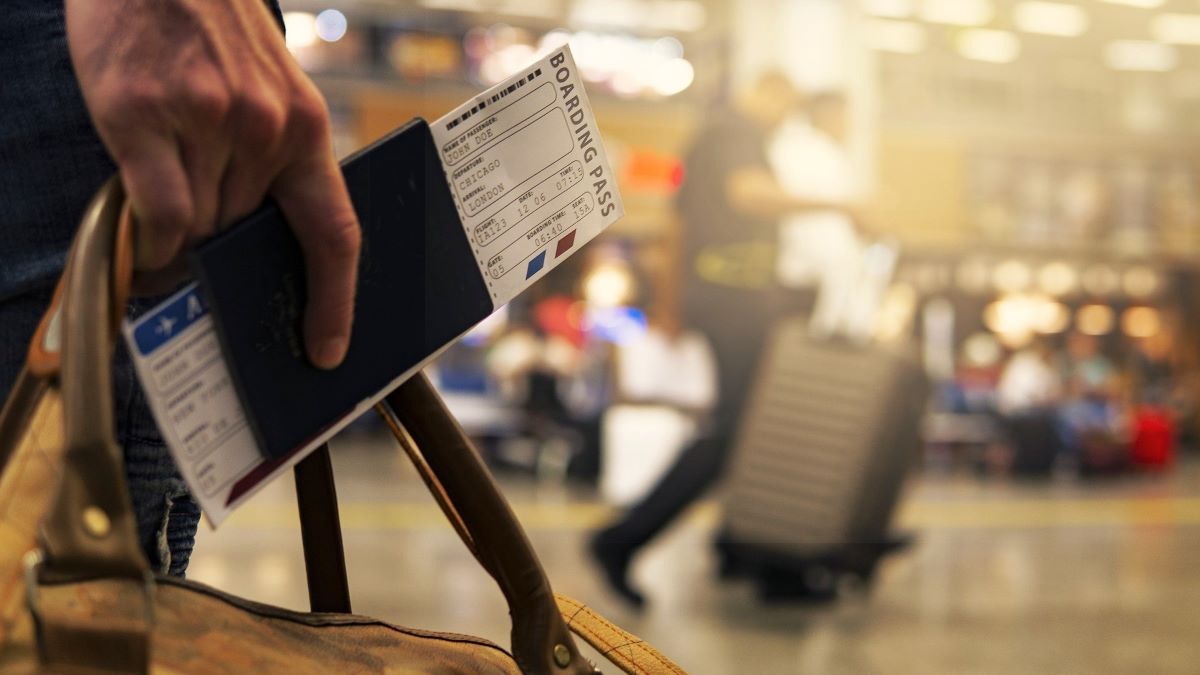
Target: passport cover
{"points": [[419, 288]]}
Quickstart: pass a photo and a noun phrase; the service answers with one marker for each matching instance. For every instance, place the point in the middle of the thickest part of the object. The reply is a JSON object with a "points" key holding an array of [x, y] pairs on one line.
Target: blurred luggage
{"points": [[1153, 438], [1035, 441], [1103, 454], [825, 442]]}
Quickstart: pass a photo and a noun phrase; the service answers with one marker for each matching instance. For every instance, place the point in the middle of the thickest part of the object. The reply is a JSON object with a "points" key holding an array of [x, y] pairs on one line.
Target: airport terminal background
{"points": [[1033, 166]]}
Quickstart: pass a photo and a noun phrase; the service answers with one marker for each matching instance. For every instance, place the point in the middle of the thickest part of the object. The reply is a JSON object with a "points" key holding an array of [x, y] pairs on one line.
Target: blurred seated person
{"points": [[1029, 383], [536, 362], [1027, 395], [730, 205], [1090, 417], [977, 374]]}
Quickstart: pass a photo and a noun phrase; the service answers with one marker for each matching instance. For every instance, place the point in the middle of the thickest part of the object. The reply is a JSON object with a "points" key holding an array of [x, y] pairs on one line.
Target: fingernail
{"points": [[330, 353]]}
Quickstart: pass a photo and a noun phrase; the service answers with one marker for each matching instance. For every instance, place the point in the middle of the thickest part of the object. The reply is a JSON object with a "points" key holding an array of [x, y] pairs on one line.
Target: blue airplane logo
{"points": [[165, 325]]}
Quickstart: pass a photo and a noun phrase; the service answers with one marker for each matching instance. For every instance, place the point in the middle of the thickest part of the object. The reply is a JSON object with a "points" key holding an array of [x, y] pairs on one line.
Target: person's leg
{"points": [[167, 516], [18, 320], [696, 469]]}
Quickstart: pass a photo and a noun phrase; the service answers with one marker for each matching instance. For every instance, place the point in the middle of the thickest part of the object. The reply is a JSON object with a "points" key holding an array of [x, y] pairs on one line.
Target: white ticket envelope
{"points": [[531, 181]]}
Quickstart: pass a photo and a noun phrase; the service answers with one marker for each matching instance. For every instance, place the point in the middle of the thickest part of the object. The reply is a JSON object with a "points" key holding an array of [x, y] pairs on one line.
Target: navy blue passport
{"points": [[418, 289]]}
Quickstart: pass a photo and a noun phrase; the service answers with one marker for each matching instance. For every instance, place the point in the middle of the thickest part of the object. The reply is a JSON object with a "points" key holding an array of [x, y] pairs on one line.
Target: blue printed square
{"points": [[536, 265]]}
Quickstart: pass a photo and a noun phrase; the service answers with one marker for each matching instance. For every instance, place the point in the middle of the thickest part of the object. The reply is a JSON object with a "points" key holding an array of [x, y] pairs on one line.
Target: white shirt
{"points": [[658, 369], [809, 164]]}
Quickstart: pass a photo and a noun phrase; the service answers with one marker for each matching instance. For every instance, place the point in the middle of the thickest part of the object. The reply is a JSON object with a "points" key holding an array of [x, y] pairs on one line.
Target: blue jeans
{"points": [[51, 163]]}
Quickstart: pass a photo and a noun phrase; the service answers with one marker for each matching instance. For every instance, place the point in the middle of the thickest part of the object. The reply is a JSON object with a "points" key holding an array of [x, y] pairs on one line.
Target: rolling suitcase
{"points": [[825, 441]]}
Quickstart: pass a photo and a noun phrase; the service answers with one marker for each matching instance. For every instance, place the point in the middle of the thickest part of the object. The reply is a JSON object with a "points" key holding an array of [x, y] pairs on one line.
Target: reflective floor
{"points": [[1057, 577]]}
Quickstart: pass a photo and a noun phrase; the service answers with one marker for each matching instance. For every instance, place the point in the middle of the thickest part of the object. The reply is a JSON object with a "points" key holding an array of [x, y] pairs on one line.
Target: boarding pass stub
{"points": [[528, 173], [178, 359], [527, 170]]}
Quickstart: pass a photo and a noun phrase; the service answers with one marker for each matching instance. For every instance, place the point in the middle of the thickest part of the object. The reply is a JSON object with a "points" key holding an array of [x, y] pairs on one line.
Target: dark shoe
{"points": [[614, 562]]}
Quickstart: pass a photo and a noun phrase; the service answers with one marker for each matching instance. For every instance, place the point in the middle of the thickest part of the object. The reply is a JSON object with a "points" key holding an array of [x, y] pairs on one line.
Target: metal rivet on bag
{"points": [[96, 522], [562, 655]]}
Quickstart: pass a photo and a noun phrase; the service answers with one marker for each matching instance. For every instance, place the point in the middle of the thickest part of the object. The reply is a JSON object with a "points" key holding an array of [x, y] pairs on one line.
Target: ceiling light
{"points": [[958, 12], [900, 37], [1094, 319], [300, 29], [655, 15], [992, 46], [1141, 322], [1100, 280], [1012, 276], [1050, 18], [672, 76], [1018, 316], [455, 5], [973, 275], [530, 8], [1058, 278], [331, 25], [1141, 55], [889, 9], [1179, 29], [677, 15], [1141, 281], [1142, 4]]}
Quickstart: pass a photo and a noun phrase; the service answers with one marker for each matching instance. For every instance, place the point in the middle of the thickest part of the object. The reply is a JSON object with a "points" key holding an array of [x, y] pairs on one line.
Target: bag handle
{"points": [[458, 478], [464, 489], [90, 527]]}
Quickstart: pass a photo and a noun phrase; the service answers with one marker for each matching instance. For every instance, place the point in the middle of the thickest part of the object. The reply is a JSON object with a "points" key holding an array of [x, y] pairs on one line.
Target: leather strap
{"points": [[541, 642], [89, 528], [431, 482], [43, 359], [22, 400], [321, 533], [627, 651]]}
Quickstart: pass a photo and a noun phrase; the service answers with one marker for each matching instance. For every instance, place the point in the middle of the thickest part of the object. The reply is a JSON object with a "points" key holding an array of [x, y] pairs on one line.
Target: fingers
{"points": [[157, 183], [205, 164], [258, 123], [205, 112], [314, 200]]}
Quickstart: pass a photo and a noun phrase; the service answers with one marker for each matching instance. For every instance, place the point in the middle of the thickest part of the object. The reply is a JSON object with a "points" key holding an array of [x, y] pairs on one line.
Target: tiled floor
{"points": [[1004, 578]]}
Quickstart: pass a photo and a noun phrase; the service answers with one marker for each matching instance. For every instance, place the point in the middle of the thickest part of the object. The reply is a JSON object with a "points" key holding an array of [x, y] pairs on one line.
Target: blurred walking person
{"points": [[730, 205]]}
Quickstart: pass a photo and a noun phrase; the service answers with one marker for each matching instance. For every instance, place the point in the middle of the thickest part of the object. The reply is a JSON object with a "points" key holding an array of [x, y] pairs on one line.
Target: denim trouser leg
{"points": [[167, 516], [51, 163]]}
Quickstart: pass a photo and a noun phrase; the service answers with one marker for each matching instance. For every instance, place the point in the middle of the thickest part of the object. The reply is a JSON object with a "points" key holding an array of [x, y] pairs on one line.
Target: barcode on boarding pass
{"points": [[495, 98]]}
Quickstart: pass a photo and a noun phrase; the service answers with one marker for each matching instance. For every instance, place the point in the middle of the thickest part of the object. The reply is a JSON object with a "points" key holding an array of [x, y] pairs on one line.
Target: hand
{"points": [[205, 113]]}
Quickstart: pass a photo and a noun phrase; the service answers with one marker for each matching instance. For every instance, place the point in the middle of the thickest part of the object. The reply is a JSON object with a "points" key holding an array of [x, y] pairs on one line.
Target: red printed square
{"points": [[565, 243]]}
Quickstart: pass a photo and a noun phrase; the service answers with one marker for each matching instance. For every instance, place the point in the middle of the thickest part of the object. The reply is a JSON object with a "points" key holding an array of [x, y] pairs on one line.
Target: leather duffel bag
{"points": [[77, 595]]}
